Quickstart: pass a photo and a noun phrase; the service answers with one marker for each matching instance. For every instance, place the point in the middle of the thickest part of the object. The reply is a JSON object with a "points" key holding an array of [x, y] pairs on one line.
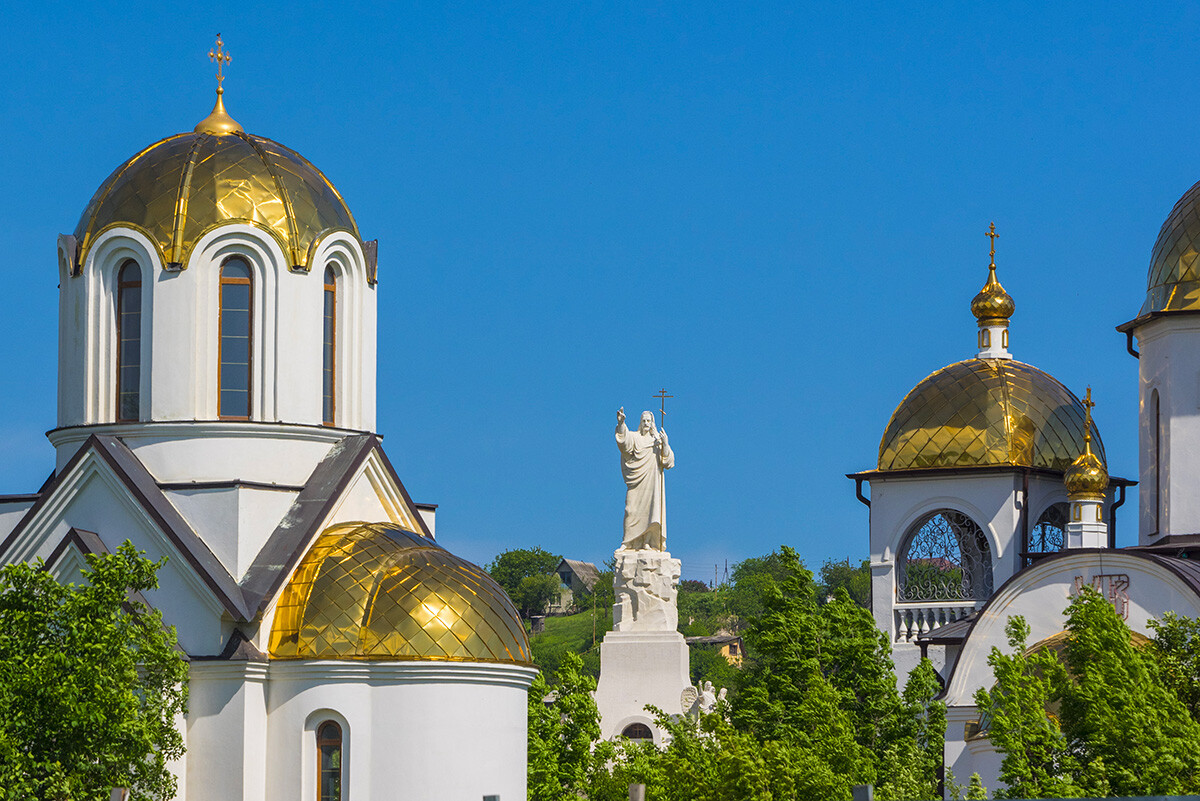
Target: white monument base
{"points": [[639, 668]]}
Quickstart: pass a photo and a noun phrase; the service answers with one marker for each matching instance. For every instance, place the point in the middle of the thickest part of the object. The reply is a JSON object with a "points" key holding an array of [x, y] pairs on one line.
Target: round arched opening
{"points": [[945, 557], [637, 731]]}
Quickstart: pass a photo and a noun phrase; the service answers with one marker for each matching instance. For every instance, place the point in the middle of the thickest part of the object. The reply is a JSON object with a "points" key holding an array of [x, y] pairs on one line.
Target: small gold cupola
{"points": [[219, 121], [993, 307], [1086, 478], [1087, 484]]}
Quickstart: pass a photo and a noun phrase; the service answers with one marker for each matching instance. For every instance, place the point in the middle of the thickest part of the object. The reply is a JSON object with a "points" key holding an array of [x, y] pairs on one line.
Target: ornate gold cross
{"points": [[222, 57], [1087, 415], [662, 405], [992, 233]]}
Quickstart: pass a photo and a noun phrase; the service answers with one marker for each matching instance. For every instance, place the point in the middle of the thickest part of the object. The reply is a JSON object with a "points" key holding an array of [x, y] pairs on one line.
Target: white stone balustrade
{"points": [[915, 619]]}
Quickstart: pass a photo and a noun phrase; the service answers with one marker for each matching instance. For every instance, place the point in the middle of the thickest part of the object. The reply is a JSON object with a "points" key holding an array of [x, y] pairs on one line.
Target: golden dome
{"points": [[376, 591], [986, 413], [1173, 282], [178, 189], [992, 305], [1086, 477]]}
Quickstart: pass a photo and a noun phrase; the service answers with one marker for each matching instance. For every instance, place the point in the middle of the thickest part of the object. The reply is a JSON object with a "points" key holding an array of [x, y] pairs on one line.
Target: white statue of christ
{"points": [[645, 454]]}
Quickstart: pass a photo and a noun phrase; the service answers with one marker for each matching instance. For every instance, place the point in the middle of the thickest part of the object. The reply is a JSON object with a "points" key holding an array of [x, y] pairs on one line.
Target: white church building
{"points": [[991, 497], [216, 406]]}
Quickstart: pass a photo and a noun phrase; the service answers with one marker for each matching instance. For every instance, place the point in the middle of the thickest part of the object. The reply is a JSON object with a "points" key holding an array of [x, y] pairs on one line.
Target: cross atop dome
{"points": [[992, 307], [219, 121]]}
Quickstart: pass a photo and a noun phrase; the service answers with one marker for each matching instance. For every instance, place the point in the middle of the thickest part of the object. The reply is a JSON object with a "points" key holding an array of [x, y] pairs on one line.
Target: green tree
{"points": [[562, 733], [534, 594], [90, 683], [855, 580], [1116, 712], [828, 670], [1037, 760], [511, 569], [1119, 729], [1176, 648], [750, 579]]}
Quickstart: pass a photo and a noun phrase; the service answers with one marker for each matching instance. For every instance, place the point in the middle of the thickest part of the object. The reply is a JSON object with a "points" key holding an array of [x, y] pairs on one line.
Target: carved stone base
{"points": [[639, 668], [644, 584]]}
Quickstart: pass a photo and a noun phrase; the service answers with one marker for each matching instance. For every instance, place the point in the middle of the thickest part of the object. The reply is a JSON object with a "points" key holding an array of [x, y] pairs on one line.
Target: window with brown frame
{"points": [[329, 762], [637, 731], [328, 344], [129, 342], [233, 379]]}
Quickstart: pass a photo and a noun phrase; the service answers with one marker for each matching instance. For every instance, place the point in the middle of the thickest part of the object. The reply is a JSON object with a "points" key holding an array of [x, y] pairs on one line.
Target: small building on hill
{"points": [[575, 576]]}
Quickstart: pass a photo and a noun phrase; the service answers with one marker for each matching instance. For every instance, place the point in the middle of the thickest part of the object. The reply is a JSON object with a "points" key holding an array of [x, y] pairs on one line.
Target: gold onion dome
{"points": [[1173, 281], [992, 306], [1087, 476], [986, 413], [178, 189], [376, 591]]}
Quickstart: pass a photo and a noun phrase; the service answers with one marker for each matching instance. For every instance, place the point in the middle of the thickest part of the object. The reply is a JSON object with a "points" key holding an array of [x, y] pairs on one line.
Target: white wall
{"points": [[415, 731], [1169, 363]]}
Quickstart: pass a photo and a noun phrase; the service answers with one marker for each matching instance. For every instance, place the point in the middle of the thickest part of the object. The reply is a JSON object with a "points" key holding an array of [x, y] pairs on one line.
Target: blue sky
{"points": [[775, 211]]}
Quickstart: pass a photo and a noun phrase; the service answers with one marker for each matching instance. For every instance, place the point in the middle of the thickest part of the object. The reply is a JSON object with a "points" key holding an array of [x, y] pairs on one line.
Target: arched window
{"points": [[637, 731], [329, 762], [1049, 533], [945, 557], [1157, 418], [129, 342], [236, 337], [329, 341]]}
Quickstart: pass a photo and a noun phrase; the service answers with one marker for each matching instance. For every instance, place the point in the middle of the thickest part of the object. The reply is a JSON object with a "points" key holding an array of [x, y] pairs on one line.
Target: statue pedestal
{"points": [[639, 668], [643, 660]]}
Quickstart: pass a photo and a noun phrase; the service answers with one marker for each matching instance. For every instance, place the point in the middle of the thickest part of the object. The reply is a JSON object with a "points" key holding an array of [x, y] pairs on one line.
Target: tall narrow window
{"points": [[129, 342], [234, 376], [1158, 504], [329, 341], [329, 762]]}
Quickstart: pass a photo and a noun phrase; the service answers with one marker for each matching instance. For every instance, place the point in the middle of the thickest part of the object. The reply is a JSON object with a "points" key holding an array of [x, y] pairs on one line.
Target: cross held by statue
{"points": [[662, 406]]}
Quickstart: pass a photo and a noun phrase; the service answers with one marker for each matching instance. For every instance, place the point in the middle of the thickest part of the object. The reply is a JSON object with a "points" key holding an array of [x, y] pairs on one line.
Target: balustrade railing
{"points": [[915, 619]]}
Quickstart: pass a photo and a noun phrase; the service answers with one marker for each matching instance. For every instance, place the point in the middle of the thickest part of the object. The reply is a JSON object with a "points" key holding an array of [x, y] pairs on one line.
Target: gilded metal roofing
{"points": [[376, 591], [1173, 283], [178, 189], [985, 413]]}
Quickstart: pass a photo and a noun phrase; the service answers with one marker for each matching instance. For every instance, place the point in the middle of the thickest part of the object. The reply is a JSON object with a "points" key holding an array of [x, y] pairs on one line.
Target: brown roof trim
{"points": [[1185, 569], [921, 472], [85, 541], [291, 538], [142, 486], [427, 506], [238, 648], [236, 483], [387, 463], [1141, 320], [289, 541], [19, 497]]}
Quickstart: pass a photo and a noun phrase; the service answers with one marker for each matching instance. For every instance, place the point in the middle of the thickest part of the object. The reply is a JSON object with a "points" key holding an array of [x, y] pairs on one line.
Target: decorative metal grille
{"points": [[945, 558], [1047, 535]]}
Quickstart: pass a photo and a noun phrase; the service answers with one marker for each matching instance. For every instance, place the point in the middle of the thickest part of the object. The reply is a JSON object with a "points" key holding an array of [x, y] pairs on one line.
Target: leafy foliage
{"points": [[1118, 730], [90, 683], [854, 580], [528, 576], [562, 733]]}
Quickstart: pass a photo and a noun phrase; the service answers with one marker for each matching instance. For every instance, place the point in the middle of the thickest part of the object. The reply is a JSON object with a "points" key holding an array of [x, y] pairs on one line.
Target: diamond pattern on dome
{"points": [[1173, 282], [986, 412], [180, 188], [373, 590]]}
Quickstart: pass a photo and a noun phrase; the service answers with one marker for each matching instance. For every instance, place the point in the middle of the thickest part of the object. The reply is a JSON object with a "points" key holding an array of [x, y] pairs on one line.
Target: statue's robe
{"points": [[642, 463]]}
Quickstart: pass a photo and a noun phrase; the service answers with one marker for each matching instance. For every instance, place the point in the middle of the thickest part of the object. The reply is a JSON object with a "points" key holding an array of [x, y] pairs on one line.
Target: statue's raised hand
{"points": [[620, 415]]}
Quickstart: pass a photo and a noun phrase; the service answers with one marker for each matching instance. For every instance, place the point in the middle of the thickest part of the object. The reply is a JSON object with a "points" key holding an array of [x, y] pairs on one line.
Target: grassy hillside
{"points": [[571, 633]]}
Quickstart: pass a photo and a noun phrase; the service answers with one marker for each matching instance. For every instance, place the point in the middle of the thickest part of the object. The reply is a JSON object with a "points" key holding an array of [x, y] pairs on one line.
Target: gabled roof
{"points": [[291, 538], [587, 573], [143, 488]]}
